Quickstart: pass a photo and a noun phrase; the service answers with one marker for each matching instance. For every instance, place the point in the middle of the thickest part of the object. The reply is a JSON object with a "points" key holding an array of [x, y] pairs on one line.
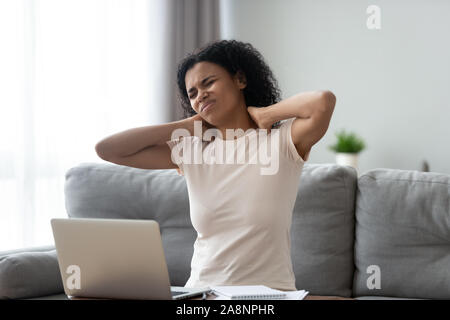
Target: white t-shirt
{"points": [[242, 216]]}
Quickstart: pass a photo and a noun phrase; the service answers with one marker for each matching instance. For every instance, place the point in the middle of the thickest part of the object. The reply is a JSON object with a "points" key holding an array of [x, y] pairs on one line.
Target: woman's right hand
{"points": [[205, 125]]}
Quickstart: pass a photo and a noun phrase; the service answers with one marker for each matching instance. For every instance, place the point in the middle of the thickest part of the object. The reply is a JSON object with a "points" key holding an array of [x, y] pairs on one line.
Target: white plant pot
{"points": [[347, 159]]}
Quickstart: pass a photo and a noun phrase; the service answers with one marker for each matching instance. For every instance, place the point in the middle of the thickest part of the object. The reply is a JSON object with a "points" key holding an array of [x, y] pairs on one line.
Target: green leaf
{"points": [[347, 142]]}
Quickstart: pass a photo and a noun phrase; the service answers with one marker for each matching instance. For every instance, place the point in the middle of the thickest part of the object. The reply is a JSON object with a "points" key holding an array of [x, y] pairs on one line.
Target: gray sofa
{"points": [[382, 235]]}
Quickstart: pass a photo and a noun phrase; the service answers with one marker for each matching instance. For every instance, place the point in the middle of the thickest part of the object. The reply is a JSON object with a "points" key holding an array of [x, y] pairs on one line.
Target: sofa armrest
{"points": [[29, 272], [29, 249]]}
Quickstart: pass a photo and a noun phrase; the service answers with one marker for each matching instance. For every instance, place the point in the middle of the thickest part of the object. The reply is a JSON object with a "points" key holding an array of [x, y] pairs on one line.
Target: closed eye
{"points": [[208, 84]]}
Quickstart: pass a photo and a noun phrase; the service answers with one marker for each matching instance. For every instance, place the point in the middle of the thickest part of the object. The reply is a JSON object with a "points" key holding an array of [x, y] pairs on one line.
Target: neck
{"points": [[241, 120]]}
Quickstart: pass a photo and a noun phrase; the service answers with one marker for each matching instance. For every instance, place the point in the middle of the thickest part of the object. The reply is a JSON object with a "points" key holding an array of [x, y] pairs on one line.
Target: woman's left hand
{"points": [[257, 115]]}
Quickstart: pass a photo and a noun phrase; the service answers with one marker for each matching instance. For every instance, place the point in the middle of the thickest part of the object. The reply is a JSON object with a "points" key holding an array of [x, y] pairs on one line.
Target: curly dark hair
{"points": [[262, 87]]}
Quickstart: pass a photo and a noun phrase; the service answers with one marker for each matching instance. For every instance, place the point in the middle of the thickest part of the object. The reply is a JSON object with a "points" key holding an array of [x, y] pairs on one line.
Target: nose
{"points": [[202, 98]]}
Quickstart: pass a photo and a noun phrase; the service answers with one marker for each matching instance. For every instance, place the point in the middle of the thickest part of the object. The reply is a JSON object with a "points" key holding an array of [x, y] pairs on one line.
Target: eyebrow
{"points": [[203, 81]]}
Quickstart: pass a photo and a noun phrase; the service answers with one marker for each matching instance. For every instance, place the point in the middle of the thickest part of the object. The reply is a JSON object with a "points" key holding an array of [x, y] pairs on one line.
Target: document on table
{"points": [[255, 292]]}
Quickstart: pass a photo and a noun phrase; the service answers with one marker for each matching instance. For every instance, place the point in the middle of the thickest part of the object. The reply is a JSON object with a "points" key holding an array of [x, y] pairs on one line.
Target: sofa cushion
{"points": [[403, 228], [323, 230], [29, 274]]}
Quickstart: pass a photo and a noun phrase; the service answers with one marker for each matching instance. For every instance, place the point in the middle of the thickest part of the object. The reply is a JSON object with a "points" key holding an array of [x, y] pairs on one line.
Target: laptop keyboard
{"points": [[177, 293]]}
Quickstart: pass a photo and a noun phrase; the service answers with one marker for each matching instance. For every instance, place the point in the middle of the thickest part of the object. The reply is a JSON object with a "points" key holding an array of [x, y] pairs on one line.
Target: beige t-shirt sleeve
{"points": [[289, 144], [176, 146]]}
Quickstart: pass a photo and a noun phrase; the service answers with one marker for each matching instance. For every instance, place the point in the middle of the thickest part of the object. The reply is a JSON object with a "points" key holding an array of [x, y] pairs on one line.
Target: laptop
{"points": [[114, 259]]}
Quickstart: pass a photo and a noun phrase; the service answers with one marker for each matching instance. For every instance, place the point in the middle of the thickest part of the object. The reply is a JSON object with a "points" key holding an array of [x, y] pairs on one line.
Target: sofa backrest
{"points": [[322, 228], [403, 234]]}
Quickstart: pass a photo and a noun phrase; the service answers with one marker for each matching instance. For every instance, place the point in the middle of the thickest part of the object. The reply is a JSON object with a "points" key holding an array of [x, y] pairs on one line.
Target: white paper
{"points": [[252, 290], [296, 295], [290, 295]]}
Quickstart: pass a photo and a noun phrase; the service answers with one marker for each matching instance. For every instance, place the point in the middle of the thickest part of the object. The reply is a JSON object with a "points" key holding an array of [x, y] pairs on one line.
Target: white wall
{"points": [[392, 85]]}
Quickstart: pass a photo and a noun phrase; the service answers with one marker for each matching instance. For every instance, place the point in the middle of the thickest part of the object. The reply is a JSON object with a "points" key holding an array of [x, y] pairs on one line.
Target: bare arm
{"points": [[312, 110], [143, 147]]}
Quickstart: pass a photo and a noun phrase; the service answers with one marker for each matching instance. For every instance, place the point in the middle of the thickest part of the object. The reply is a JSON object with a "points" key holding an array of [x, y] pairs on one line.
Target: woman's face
{"points": [[208, 82]]}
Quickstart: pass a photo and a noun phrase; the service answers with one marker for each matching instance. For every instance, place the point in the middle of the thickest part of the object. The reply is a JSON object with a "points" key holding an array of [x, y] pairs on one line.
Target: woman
{"points": [[242, 217]]}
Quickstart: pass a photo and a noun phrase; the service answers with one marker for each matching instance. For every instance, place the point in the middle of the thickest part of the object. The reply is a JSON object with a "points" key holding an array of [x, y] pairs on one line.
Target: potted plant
{"points": [[347, 147]]}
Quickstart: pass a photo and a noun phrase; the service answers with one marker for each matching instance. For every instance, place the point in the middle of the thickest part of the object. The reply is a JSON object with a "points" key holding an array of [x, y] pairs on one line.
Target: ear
{"points": [[240, 79]]}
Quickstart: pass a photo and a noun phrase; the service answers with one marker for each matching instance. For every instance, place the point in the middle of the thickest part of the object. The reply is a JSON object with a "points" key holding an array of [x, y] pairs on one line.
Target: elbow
{"points": [[100, 150], [328, 101]]}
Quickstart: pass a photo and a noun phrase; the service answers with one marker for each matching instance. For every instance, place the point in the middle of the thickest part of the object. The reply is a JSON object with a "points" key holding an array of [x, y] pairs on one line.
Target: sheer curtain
{"points": [[71, 73]]}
